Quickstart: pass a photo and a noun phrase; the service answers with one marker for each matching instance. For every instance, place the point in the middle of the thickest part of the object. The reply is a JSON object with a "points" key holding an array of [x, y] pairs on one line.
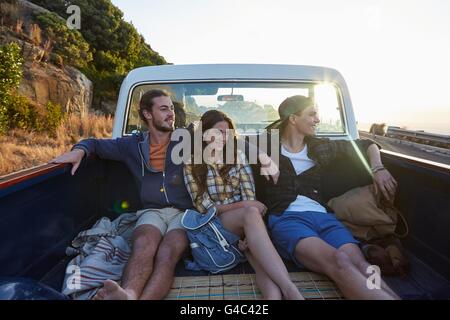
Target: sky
{"points": [[394, 55]]}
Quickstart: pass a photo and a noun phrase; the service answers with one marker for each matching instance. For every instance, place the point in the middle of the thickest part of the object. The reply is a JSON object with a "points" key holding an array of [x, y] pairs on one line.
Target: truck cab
{"points": [[44, 208]]}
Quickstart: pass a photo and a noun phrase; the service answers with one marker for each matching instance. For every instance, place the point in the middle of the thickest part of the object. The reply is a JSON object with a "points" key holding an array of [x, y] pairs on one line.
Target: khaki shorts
{"points": [[165, 219]]}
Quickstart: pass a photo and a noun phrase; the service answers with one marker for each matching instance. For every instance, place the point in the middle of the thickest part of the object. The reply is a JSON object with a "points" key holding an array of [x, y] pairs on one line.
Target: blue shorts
{"points": [[291, 227]]}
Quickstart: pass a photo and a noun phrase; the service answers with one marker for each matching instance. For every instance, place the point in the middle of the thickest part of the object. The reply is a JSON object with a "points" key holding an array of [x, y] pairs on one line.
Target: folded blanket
{"points": [[101, 254]]}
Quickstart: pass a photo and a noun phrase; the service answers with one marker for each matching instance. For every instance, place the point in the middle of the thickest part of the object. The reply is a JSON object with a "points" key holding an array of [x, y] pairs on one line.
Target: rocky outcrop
{"points": [[68, 87]]}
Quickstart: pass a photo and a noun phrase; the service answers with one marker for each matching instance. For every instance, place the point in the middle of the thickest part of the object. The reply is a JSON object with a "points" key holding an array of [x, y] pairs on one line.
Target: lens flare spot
{"points": [[124, 205]]}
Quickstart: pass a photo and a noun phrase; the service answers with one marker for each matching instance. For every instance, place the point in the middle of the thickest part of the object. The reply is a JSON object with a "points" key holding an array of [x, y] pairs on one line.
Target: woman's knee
{"points": [[252, 215]]}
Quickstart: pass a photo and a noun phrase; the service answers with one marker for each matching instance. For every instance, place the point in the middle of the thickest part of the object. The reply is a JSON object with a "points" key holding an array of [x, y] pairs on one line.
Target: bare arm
{"points": [[112, 149], [74, 157], [222, 208]]}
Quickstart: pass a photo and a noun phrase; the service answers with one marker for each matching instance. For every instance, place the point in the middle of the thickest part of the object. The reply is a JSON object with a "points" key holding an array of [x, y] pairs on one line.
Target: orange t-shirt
{"points": [[158, 155]]}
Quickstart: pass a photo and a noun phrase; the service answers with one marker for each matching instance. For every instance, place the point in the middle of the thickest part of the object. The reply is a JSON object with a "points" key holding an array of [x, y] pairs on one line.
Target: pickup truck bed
{"points": [[421, 283], [44, 208]]}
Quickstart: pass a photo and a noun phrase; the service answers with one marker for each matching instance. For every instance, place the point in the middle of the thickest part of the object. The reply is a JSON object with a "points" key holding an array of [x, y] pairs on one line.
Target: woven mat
{"points": [[243, 287]]}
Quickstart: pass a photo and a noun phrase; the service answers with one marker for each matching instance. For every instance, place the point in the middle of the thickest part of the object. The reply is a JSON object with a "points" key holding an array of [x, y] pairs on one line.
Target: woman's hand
{"points": [[242, 245], [269, 168], [222, 208], [386, 184]]}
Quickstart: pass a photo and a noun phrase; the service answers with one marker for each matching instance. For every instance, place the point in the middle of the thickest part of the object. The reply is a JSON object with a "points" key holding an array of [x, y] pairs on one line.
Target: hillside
{"points": [[115, 46], [77, 69], [59, 85]]}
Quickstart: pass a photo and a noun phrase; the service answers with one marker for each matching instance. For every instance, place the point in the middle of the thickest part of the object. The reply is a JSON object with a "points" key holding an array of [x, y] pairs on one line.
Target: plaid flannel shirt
{"points": [[238, 186]]}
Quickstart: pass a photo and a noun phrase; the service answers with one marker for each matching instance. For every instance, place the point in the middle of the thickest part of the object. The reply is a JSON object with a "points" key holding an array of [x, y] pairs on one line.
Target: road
{"points": [[411, 149]]}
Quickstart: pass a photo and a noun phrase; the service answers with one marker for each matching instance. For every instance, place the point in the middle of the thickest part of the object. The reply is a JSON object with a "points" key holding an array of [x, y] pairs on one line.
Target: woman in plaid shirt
{"points": [[230, 188]]}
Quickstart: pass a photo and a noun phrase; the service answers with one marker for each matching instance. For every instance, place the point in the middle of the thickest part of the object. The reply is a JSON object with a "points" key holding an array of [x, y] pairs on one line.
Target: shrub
{"points": [[57, 60], [68, 44], [20, 113], [10, 67], [52, 118], [10, 77], [17, 112]]}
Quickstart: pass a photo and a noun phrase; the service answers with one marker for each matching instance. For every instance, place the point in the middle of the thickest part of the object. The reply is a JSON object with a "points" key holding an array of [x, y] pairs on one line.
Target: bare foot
{"points": [[112, 291]]}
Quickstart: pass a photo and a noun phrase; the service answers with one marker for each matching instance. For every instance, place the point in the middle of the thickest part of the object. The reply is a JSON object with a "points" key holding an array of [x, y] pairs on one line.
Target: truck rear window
{"points": [[251, 105]]}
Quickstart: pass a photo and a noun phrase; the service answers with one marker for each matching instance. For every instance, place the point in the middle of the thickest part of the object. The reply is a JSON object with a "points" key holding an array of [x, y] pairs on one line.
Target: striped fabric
{"points": [[101, 254]]}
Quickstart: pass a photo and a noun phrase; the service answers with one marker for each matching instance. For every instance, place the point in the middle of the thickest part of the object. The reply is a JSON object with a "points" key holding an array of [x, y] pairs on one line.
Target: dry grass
{"points": [[35, 34], [21, 149]]}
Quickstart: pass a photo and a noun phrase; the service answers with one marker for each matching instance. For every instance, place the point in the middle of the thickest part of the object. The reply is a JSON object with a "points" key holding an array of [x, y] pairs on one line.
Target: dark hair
{"points": [[292, 105], [146, 102], [180, 115], [283, 126], [200, 171]]}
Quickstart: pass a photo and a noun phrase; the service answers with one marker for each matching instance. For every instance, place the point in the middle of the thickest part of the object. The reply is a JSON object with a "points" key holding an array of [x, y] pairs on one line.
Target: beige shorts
{"points": [[164, 219]]}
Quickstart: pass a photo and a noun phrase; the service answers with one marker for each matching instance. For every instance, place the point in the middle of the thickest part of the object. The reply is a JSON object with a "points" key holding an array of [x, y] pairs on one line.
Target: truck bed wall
{"points": [[40, 216]]}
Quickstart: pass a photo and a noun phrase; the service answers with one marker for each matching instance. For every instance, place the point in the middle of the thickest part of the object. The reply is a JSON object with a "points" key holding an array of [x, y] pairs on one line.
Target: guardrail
{"points": [[432, 139]]}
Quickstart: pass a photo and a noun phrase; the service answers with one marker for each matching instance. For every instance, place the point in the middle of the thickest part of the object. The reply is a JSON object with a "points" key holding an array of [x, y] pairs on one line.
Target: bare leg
{"points": [[146, 239], [269, 290], [248, 222], [357, 258], [318, 256], [170, 251]]}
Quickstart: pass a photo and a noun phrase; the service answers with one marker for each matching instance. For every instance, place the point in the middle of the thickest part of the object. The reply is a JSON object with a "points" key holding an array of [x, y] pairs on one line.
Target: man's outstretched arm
{"points": [[111, 149]]}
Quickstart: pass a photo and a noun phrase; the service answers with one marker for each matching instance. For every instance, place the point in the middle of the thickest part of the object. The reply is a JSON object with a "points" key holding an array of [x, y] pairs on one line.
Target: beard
{"points": [[160, 127]]}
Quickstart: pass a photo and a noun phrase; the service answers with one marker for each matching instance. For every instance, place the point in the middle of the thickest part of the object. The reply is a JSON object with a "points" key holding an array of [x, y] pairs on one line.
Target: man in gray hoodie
{"points": [[159, 239]]}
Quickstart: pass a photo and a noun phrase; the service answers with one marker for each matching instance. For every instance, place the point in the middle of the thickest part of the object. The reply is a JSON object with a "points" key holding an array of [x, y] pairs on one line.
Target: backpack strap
{"points": [[223, 242]]}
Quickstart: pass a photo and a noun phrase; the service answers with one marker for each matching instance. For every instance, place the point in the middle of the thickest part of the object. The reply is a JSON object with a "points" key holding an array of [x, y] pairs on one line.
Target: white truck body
{"points": [[233, 72]]}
